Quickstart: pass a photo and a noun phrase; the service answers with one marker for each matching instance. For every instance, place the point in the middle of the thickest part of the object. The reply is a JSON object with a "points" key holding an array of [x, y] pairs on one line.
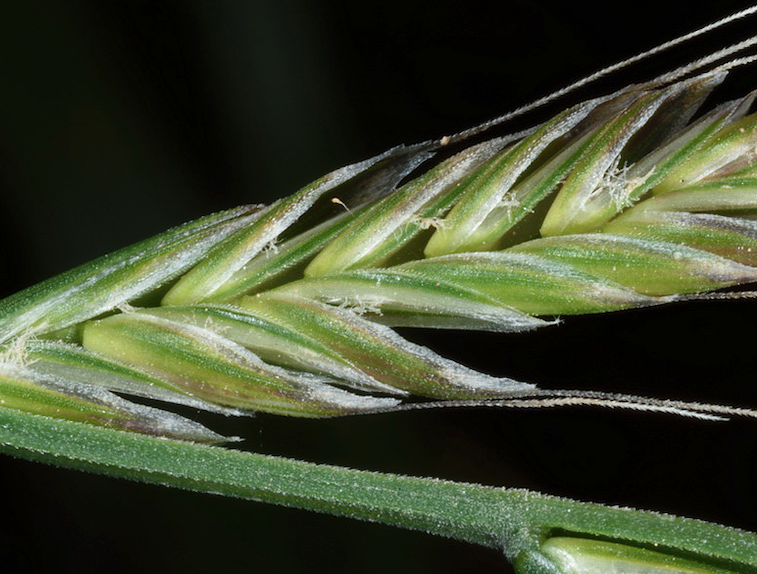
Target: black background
{"points": [[118, 120]]}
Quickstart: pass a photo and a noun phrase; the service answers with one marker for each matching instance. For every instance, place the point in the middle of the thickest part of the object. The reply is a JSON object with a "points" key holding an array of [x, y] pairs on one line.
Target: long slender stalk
{"points": [[517, 522]]}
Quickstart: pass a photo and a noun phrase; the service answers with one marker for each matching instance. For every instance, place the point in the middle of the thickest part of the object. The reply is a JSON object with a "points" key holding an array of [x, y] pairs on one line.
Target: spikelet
{"points": [[632, 199]]}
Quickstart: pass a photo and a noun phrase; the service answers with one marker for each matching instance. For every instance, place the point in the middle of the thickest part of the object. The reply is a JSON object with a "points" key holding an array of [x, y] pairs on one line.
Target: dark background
{"points": [[118, 120]]}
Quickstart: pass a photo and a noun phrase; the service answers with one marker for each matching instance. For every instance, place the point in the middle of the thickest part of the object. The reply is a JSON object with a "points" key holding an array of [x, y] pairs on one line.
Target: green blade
{"points": [[31, 392], [275, 342], [401, 297], [491, 186], [722, 154], [582, 204], [729, 237], [357, 245], [210, 367], [656, 166], [652, 268], [206, 281], [530, 283], [117, 278], [284, 261], [74, 363], [379, 351]]}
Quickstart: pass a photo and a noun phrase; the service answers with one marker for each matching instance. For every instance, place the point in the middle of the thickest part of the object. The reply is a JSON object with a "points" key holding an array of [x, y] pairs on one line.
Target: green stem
{"points": [[515, 521]]}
